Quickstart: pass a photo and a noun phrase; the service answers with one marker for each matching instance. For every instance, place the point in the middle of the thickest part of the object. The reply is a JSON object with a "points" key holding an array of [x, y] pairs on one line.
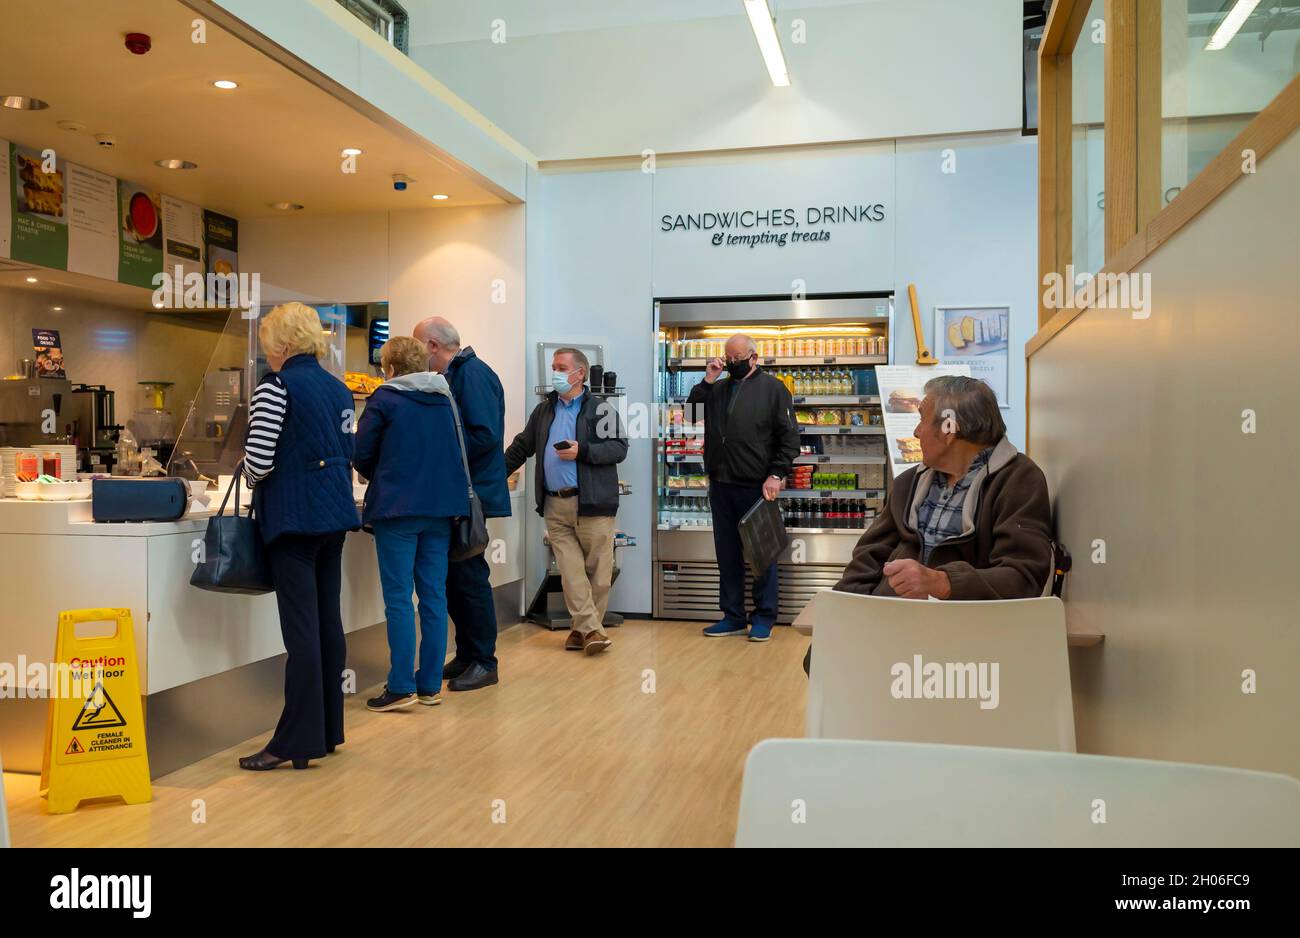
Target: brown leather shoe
{"points": [[593, 643], [574, 641]]}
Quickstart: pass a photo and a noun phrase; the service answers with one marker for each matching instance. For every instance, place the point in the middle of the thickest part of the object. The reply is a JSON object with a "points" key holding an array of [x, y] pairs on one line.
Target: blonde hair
{"points": [[292, 329], [404, 355]]}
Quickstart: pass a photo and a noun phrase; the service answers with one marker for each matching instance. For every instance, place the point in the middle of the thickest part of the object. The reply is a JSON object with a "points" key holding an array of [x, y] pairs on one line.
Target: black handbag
{"points": [[233, 556], [469, 533]]}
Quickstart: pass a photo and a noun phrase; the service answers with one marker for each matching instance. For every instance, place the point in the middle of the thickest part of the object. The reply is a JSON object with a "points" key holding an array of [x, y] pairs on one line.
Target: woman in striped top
{"points": [[299, 460]]}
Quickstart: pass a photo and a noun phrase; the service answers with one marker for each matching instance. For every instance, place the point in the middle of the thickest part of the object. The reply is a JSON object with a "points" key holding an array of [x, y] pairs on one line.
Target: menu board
{"points": [[92, 222], [978, 336], [38, 192], [69, 217], [902, 388], [6, 201], [182, 238], [49, 353], [139, 211], [221, 236]]}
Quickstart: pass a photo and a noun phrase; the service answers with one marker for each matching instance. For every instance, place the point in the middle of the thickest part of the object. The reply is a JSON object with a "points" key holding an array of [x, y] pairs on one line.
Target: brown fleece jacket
{"points": [[1003, 552]]}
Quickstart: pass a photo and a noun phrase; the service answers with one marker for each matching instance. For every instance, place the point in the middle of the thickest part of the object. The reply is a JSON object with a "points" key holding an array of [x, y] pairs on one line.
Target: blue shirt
{"points": [[562, 473]]}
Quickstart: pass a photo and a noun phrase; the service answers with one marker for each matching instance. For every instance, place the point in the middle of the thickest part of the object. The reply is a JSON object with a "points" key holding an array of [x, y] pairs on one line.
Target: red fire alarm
{"points": [[138, 43]]}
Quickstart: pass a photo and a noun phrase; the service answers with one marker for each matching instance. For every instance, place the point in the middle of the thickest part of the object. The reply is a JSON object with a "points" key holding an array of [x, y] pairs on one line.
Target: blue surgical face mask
{"points": [[560, 381]]}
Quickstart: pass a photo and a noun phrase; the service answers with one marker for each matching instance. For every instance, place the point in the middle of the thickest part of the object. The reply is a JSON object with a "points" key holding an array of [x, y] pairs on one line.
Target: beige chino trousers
{"points": [[584, 552]]}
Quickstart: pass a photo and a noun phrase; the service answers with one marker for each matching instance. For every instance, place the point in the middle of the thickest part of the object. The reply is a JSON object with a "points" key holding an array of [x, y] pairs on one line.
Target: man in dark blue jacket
{"points": [[482, 404]]}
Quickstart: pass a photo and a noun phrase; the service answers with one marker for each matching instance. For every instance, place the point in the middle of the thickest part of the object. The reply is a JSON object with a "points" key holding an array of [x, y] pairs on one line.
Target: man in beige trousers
{"points": [[579, 443]]}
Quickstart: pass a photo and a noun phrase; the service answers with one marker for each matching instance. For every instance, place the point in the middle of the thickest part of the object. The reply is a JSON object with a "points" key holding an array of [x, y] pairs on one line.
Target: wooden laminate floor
{"points": [[573, 751]]}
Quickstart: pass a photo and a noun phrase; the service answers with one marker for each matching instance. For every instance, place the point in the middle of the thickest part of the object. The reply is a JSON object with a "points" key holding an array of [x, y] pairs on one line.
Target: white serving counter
{"points": [[56, 558]]}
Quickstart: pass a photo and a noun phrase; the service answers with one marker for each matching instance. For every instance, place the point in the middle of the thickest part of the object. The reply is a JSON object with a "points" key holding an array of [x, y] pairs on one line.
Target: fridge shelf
{"points": [[823, 460], [708, 529], [813, 400], [675, 363], [842, 431], [787, 493]]}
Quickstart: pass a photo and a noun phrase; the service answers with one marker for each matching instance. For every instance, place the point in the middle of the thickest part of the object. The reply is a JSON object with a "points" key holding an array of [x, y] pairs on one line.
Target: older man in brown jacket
{"points": [[973, 521]]}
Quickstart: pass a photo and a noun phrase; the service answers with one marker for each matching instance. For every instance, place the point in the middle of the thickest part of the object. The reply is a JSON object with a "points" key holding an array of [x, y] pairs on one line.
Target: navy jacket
{"points": [[482, 406], [309, 490], [406, 447]]}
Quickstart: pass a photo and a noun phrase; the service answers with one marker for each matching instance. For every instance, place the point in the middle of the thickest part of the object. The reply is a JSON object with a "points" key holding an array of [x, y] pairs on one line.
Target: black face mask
{"points": [[738, 370]]}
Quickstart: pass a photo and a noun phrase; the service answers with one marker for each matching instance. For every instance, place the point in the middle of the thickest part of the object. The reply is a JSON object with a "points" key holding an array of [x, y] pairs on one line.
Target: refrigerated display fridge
{"points": [[825, 351]]}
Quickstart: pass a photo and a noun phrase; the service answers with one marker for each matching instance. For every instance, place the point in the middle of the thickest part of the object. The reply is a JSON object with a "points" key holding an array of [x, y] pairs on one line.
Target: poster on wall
{"points": [[139, 212], [6, 203], [92, 222], [49, 353], [40, 225], [221, 238], [902, 388], [980, 337], [182, 239]]}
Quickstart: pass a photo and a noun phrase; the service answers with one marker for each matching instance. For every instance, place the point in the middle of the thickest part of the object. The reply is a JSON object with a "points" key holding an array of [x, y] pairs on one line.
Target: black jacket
{"points": [[759, 438], [602, 445]]}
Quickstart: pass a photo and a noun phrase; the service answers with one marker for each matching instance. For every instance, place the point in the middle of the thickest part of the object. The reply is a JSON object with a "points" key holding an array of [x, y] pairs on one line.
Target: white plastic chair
{"points": [[4, 811], [865, 682], [852, 793]]}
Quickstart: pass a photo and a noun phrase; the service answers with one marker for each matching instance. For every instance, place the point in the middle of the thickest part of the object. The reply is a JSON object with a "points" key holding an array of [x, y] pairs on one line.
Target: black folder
{"points": [[763, 536]]}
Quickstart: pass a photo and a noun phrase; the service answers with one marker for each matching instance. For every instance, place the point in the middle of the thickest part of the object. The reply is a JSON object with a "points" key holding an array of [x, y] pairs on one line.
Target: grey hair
{"points": [[751, 347], [440, 331], [972, 406], [579, 359]]}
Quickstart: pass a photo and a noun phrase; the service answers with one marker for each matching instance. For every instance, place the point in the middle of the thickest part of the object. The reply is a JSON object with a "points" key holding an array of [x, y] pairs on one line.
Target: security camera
{"points": [[401, 181], [107, 141]]}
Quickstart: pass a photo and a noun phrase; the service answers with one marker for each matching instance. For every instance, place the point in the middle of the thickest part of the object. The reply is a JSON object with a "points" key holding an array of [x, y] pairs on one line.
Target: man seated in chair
{"points": [[972, 522]]}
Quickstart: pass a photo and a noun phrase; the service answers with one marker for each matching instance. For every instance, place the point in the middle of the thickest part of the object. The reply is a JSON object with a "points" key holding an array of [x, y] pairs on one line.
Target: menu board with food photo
{"points": [[49, 353], [6, 203], [40, 224], [221, 238], [902, 388], [139, 212], [978, 336]]}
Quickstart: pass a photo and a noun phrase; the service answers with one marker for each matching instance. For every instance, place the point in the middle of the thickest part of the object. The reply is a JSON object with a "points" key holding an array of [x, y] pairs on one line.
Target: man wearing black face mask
{"points": [[750, 442]]}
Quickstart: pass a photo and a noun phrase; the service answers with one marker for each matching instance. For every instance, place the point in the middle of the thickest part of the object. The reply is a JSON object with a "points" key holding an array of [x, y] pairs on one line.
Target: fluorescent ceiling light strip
{"points": [[760, 18], [1235, 19]]}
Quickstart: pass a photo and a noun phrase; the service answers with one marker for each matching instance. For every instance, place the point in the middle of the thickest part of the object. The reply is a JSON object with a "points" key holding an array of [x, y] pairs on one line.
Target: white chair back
{"points": [[851, 793], [965, 673]]}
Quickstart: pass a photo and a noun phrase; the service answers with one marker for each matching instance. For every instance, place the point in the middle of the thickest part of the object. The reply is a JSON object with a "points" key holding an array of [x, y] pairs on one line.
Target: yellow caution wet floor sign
{"points": [[94, 735]]}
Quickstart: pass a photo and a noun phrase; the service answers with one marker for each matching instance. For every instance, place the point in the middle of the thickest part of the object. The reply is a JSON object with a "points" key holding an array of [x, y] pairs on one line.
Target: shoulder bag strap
{"points": [[460, 439]]}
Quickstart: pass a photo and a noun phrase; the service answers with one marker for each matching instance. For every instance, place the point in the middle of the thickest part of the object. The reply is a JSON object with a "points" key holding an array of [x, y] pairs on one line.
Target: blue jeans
{"points": [[413, 556]]}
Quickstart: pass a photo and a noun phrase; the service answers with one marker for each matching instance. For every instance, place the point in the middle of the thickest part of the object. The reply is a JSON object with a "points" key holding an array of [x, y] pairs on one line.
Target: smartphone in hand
{"points": [[563, 444]]}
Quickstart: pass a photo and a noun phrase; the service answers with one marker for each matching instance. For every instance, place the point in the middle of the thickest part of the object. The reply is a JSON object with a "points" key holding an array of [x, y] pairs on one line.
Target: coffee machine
{"points": [[34, 410], [95, 426]]}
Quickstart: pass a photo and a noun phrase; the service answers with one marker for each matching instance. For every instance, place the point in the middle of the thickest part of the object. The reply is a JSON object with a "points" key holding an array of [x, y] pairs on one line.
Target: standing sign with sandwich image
{"points": [[978, 336], [902, 388]]}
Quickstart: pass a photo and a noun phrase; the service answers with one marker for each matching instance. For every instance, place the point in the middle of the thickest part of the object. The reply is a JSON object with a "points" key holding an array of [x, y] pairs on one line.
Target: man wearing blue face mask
{"points": [[581, 442]]}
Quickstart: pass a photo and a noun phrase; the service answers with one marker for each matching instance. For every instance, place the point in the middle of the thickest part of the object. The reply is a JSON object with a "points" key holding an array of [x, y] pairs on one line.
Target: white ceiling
{"points": [[442, 21], [276, 138]]}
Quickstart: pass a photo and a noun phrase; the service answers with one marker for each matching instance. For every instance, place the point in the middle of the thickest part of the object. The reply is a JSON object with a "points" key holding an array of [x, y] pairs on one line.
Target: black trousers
{"points": [[473, 611], [730, 502], [307, 571]]}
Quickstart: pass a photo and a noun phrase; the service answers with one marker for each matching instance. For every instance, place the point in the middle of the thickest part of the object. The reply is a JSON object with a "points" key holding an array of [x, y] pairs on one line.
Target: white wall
{"points": [[453, 262], [869, 70], [1139, 426]]}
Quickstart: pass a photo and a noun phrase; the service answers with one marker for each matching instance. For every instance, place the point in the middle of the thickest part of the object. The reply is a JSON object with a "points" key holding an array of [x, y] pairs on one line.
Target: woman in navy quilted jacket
{"points": [[299, 460]]}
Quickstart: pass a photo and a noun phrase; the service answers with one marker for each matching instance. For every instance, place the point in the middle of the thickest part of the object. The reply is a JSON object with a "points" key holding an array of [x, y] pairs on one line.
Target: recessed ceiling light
{"points": [[225, 84], [31, 279], [351, 151], [440, 196], [21, 102], [176, 164], [57, 309], [286, 206]]}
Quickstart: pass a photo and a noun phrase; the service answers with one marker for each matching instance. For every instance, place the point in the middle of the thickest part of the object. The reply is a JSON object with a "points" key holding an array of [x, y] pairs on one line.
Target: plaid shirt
{"points": [[939, 516]]}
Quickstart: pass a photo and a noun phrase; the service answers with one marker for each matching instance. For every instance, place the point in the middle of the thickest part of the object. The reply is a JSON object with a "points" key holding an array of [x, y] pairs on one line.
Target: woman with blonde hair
{"points": [[409, 449], [299, 460]]}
